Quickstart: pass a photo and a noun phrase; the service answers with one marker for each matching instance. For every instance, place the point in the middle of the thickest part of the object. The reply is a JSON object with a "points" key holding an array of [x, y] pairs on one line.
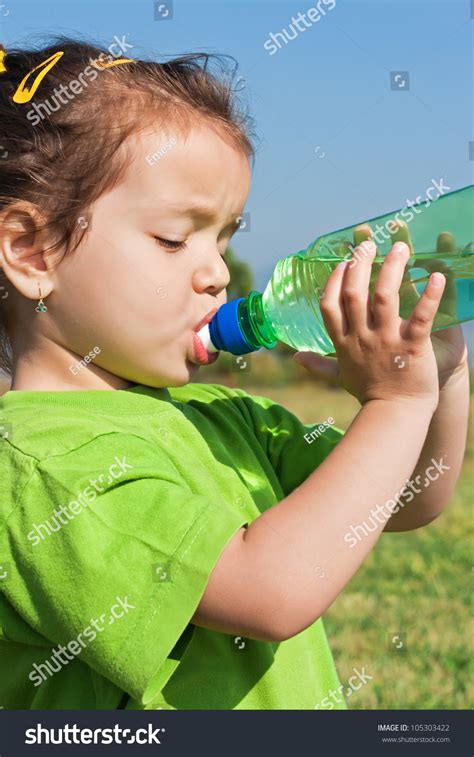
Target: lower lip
{"points": [[200, 355]]}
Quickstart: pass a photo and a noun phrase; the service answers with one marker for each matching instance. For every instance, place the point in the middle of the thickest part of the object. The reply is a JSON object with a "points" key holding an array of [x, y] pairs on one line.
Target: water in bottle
{"points": [[440, 236]]}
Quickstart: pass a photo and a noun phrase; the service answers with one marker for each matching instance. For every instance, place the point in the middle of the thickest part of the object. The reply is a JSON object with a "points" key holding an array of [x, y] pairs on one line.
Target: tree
{"points": [[241, 276]]}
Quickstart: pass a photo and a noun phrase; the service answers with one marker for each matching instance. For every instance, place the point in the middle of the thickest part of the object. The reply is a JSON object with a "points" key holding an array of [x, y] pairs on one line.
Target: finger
{"points": [[331, 305], [386, 299], [419, 325], [325, 367], [435, 264], [355, 287], [399, 233], [407, 290], [361, 233], [342, 249], [445, 242]]}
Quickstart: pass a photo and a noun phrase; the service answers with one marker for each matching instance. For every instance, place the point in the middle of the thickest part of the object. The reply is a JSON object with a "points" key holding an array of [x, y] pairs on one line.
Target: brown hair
{"points": [[61, 155]]}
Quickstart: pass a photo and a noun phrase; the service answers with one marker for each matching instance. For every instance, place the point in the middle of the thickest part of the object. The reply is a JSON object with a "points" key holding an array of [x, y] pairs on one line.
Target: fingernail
{"points": [[399, 247], [436, 279]]}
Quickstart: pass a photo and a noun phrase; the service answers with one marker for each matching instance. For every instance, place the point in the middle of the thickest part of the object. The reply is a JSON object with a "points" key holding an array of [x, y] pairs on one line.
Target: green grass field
{"points": [[416, 585]]}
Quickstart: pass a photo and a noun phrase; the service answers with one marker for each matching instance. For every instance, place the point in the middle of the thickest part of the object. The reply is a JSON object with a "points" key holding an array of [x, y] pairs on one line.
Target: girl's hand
{"points": [[449, 348], [450, 351], [448, 344], [380, 355]]}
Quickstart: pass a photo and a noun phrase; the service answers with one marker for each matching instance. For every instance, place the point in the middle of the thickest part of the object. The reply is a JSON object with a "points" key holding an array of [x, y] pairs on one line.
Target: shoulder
{"points": [[235, 406], [210, 398], [204, 392], [58, 435]]}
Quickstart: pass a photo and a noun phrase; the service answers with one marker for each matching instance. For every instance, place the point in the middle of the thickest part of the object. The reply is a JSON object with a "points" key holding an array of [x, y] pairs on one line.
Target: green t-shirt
{"points": [[114, 508]]}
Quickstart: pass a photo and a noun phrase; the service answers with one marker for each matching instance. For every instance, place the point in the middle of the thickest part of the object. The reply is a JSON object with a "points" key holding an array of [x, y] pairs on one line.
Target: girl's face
{"points": [[150, 266]]}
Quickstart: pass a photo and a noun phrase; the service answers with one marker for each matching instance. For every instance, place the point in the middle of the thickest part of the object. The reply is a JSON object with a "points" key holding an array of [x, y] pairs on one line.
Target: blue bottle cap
{"points": [[225, 330]]}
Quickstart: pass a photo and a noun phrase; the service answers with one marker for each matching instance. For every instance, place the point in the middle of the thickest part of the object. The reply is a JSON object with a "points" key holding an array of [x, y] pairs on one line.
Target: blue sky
{"points": [[337, 144]]}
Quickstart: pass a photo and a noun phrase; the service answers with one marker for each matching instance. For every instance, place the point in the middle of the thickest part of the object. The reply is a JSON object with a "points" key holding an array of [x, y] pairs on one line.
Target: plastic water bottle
{"points": [[440, 235]]}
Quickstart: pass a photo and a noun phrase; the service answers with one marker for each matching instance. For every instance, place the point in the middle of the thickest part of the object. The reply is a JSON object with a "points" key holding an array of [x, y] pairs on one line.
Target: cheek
{"points": [[172, 303], [126, 300], [166, 322], [100, 268]]}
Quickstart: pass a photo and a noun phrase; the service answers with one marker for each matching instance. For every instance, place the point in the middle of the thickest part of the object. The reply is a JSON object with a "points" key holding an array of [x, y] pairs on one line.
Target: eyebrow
{"points": [[202, 211]]}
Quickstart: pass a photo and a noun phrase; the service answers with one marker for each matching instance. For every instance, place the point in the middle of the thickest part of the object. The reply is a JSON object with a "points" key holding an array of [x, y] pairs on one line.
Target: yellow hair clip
{"points": [[98, 63], [24, 93], [3, 55]]}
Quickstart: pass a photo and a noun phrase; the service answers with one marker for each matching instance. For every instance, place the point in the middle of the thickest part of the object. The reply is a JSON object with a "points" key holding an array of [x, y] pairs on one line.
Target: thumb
{"points": [[326, 367]]}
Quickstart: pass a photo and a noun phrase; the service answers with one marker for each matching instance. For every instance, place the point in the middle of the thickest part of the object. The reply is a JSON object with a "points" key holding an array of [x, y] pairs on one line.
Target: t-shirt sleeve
{"points": [[117, 582], [295, 449]]}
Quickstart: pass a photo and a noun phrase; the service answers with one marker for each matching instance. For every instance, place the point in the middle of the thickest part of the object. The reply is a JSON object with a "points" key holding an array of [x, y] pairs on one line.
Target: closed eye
{"points": [[170, 244]]}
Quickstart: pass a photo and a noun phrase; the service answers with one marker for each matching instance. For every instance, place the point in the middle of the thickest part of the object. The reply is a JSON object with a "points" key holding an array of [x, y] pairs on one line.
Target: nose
{"points": [[211, 274]]}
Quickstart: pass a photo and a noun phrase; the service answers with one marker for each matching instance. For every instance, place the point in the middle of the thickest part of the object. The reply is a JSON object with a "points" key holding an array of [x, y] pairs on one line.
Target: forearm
{"points": [[435, 475], [301, 544]]}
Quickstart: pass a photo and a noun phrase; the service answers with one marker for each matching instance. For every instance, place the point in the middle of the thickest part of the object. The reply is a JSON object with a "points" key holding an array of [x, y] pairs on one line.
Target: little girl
{"points": [[164, 543]]}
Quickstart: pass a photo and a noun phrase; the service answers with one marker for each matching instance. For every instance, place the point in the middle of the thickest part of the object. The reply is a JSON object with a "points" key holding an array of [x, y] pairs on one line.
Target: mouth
{"points": [[199, 354], [207, 318]]}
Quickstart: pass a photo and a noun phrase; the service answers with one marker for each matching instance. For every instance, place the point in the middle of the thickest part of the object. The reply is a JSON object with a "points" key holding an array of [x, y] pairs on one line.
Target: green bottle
{"points": [[440, 235]]}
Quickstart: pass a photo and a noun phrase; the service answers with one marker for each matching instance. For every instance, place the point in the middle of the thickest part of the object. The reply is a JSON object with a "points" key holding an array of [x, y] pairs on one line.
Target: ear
{"points": [[23, 242]]}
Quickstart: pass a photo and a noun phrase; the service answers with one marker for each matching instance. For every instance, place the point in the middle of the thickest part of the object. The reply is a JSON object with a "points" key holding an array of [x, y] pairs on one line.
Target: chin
{"points": [[190, 371]]}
